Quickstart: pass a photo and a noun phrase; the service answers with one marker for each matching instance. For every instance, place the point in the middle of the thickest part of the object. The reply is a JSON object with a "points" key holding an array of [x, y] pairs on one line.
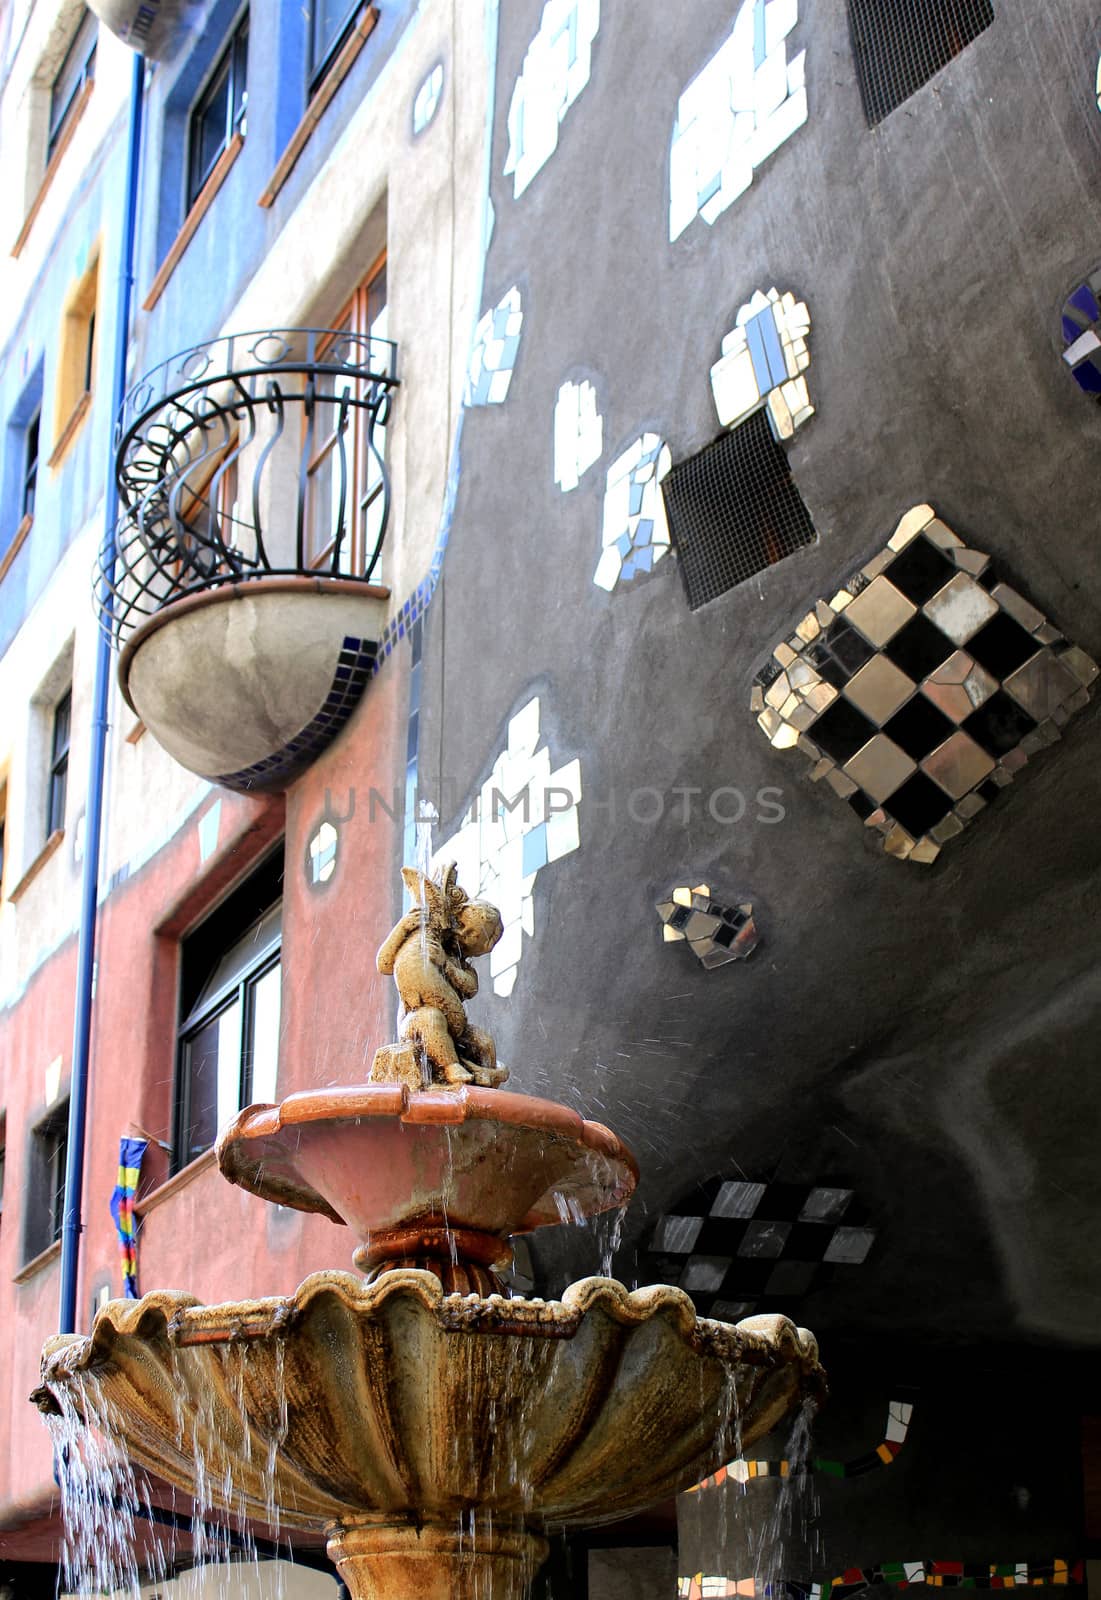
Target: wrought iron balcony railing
{"points": [[250, 455]]}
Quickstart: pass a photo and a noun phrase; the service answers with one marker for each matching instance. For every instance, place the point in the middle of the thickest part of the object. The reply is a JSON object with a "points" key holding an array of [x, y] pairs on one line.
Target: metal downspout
{"points": [[72, 1225]]}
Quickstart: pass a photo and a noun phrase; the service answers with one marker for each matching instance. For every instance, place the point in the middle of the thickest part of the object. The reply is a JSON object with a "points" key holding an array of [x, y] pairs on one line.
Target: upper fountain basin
{"points": [[380, 1157], [347, 1400]]}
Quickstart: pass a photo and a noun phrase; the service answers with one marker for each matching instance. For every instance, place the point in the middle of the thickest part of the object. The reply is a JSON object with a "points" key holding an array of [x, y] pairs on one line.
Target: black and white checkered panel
{"points": [[740, 1248]]}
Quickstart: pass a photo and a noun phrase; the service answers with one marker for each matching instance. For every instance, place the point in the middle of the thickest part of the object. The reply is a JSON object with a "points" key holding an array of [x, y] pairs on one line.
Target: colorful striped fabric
{"points": [[131, 1152]]}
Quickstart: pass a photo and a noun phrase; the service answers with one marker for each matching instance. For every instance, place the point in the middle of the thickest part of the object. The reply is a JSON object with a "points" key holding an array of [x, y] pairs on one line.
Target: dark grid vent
{"points": [[900, 44], [733, 510]]}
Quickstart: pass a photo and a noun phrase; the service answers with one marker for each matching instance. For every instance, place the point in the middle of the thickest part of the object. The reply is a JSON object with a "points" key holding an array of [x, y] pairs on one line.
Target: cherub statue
{"points": [[429, 954]]}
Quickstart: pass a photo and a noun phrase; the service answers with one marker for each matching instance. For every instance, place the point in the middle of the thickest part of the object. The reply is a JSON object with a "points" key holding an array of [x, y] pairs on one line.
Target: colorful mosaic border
{"points": [[897, 1575], [922, 688], [899, 1413]]}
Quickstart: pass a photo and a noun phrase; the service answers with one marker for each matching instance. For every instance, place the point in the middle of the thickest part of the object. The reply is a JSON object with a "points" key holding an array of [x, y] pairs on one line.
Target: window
{"points": [[900, 44], [219, 112], [345, 489], [76, 70], [733, 510], [59, 764], [3, 827], [230, 1008], [330, 24], [77, 357], [30, 465], [48, 1154]]}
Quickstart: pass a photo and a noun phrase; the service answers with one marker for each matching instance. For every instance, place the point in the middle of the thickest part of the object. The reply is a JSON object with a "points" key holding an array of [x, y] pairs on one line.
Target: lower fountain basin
{"points": [[392, 1400]]}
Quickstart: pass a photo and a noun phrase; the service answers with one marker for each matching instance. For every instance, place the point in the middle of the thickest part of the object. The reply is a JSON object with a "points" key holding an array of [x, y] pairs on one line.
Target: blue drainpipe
{"points": [[72, 1227]]}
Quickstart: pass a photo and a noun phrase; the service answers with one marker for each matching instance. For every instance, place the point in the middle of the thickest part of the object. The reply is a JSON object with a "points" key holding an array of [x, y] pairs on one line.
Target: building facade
{"points": [[726, 379]]}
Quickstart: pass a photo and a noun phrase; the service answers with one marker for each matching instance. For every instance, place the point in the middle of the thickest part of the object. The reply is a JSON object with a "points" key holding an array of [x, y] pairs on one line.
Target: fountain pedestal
{"points": [[433, 1427], [382, 1560]]}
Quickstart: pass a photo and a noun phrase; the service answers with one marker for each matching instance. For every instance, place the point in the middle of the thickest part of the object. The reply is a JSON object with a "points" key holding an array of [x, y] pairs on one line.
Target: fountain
{"points": [[433, 1426]]}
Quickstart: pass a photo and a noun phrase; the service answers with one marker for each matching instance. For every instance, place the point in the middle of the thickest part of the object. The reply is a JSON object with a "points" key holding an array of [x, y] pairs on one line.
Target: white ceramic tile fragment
{"points": [[525, 817], [556, 69], [427, 98], [764, 357], [634, 532], [742, 105], [578, 434], [493, 353]]}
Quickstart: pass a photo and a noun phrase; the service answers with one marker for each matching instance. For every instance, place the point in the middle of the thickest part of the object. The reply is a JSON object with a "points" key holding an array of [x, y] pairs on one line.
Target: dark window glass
{"points": [[900, 44], [30, 464], [77, 69], [45, 1193], [229, 1029], [219, 112], [330, 23], [89, 353], [59, 763]]}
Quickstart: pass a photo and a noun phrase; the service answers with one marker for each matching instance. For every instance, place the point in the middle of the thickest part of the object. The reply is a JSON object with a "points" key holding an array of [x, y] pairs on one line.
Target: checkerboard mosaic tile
{"points": [[715, 933], [740, 1248], [765, 357], [556, 69], [738, 109], [921, 688], [1057, 1573], [1081, 323], [494, 351]]}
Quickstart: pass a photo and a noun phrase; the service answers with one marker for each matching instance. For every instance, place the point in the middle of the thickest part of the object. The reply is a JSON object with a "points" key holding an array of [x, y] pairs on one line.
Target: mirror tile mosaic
{"points": [[921, 688], [716, 934]]}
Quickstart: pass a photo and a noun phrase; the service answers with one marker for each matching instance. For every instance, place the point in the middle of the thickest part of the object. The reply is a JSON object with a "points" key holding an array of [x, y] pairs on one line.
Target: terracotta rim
{"points": [[285, 584], [438, 1106]]}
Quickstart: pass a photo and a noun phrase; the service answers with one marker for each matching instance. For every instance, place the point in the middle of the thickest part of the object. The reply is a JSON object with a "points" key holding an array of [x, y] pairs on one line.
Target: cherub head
{"points": [[474, 925]]}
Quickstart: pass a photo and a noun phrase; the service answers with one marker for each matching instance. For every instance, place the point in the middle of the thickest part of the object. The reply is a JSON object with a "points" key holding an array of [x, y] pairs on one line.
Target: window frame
{"points": [[44, 1217], [233, 61], [57, 788], [317, 66], [357, 317], [58, 120], [218, 935]]}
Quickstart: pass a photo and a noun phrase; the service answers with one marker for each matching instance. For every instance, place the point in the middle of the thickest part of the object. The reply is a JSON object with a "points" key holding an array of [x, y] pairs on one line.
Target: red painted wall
{"points": [[200, 1234]]}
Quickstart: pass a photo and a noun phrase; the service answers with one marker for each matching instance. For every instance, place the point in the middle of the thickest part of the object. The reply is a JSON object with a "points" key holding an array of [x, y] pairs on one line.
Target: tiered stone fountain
{"points": [[434, 1427]]}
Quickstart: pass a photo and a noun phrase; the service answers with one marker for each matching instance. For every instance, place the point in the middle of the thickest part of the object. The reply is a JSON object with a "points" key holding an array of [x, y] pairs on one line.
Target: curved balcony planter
{"points": [[240, 587], [246, 684]]}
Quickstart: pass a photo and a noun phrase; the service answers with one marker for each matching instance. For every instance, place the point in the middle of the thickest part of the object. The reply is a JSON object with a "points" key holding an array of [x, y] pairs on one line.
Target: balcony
{"points": [[244, 594]]}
